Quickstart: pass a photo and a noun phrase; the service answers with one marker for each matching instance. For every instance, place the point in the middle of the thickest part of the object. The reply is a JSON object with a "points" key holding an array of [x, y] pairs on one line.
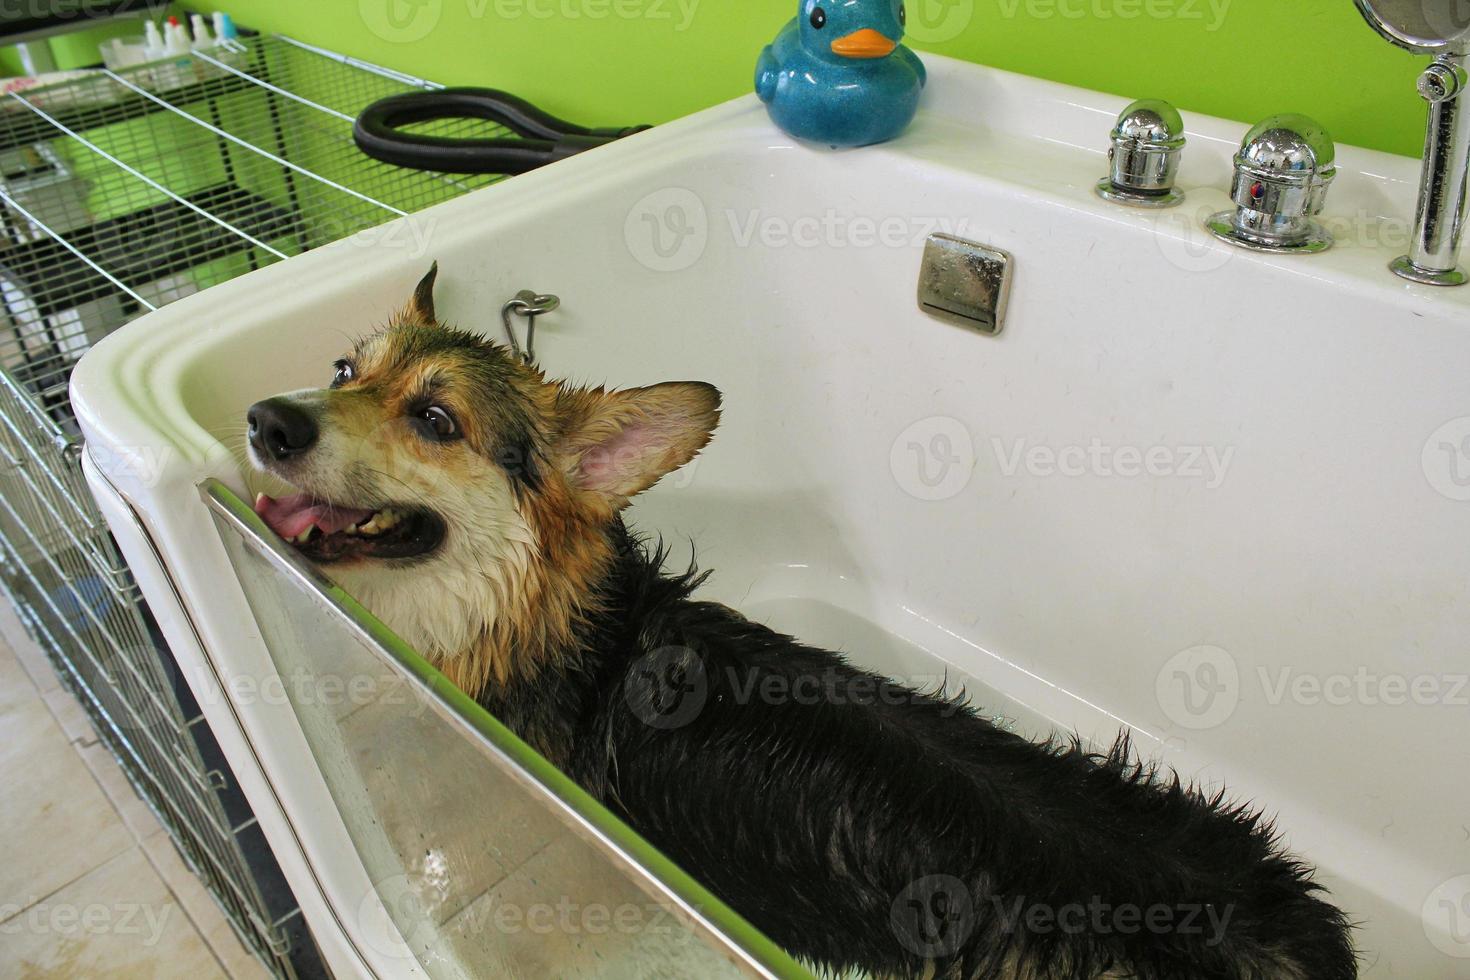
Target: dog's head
{"points": [[456, 492]]}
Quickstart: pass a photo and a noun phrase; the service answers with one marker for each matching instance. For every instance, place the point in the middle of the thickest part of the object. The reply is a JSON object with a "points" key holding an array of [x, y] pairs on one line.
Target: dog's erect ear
{"points": [[421, 306], [619, 443]]}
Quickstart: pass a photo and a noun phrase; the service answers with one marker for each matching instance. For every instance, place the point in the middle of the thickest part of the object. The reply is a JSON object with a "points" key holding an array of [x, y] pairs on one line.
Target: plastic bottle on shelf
{"points": [[224, 27], [153, 48], [202, 38], [177, 69], [175, 38]]}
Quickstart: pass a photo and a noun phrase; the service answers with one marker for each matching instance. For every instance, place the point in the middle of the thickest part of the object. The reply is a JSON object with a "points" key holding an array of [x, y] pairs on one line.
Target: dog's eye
{"points": [[438, 424], [345, 373]]}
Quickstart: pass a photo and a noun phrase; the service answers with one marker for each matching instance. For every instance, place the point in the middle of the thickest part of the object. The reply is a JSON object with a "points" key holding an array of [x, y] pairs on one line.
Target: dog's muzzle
{"points": [[279, 430]]}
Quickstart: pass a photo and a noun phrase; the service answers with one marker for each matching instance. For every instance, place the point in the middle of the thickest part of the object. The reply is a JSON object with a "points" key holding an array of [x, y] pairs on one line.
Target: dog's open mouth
{"points": [[328, 532]]}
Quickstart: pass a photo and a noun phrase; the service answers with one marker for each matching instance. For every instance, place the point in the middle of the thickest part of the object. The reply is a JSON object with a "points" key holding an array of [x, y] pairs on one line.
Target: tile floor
{"points": [[90, 883]]}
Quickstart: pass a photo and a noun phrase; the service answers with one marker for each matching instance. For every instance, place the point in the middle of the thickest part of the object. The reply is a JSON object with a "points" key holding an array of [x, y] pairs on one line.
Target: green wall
{"points": [[625, 61], [77, 49]]}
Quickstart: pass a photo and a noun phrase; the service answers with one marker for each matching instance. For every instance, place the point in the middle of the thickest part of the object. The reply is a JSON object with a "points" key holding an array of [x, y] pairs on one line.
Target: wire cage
{"points": [[119, 193]]}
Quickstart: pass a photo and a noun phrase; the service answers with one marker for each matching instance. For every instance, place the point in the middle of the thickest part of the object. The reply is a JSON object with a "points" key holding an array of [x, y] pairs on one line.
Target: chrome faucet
{"points": [[1143, 156], [1440, 28], [1285, 165]]}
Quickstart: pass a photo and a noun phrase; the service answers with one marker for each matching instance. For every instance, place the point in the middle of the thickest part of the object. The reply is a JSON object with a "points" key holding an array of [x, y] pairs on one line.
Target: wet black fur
{"points": [[825, 823]]}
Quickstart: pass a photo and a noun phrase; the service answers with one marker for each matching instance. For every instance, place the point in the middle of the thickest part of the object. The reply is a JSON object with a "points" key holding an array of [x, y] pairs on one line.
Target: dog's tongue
{"points": [[289, 516]]}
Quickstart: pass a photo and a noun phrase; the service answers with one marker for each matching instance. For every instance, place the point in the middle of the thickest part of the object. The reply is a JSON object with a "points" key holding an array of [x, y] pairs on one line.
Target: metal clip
{"points": [[529, 305]]}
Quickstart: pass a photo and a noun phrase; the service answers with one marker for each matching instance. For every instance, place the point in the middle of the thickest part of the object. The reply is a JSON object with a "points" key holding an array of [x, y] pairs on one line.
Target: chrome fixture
{"points": [[1145, 156], [1282, 172], [965, 283], [529, 304], [1440, 28]]}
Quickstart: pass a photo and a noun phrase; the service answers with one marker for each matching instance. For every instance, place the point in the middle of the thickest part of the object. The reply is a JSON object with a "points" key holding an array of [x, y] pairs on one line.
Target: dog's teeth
{"points": [[260, 498], [379, 523], [350, 529]]}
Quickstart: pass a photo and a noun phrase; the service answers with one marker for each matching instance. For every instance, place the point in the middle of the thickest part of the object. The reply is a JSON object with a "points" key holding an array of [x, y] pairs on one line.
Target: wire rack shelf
{"points": [[122, 192]]}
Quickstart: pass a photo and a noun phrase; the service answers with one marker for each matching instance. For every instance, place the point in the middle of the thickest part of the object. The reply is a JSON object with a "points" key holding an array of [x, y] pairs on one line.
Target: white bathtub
{"points": [[1220, 498]]}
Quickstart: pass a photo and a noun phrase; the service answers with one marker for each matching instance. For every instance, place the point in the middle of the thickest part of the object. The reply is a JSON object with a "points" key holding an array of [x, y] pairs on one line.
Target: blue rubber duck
{"points": [[837, 73]]}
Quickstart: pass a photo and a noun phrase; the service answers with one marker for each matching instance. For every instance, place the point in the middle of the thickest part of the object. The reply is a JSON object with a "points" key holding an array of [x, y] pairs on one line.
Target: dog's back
{"points": [[859, 823]]}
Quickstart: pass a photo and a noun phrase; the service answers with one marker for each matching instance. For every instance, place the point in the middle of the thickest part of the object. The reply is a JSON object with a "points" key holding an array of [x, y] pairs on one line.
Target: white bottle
{"points": [[152, 42], [175, 38], [202, 38]]}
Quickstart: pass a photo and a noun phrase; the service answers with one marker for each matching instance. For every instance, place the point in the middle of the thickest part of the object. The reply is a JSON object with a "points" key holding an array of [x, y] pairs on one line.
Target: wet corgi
{"points": [[474, 505]]}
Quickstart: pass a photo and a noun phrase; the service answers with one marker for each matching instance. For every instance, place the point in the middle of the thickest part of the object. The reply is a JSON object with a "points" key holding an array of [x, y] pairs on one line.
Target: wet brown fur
{"points": [[546, 602]]}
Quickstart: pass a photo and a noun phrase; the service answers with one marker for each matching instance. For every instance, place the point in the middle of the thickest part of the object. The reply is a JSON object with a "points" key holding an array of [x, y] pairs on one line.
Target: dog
{"points": [[475, 507]]}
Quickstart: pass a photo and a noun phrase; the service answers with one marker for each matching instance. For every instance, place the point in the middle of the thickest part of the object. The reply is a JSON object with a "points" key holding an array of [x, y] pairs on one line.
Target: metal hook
{"points": [[529, 305]]}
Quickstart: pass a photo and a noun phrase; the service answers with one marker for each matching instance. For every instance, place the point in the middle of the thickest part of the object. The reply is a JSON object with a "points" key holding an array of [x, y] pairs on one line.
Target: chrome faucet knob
{"points": [[1283, 170], [1441, 82], [1144, 156]]}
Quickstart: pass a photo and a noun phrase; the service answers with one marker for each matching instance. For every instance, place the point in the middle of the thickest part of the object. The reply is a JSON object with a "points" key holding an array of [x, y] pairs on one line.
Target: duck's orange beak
{"points": [[866, 43]]}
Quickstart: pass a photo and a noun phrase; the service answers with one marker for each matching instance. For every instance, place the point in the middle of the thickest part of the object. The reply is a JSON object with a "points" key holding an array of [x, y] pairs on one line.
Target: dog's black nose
{"points": [[279, 430]]}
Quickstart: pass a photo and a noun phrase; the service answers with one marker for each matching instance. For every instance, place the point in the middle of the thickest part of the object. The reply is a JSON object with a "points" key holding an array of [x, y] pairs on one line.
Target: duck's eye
{"points": [[819, 18], [345, 373], [436, 423], [903, 16]]}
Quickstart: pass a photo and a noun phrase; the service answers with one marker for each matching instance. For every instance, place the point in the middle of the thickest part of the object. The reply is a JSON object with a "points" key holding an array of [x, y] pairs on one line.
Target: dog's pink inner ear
{"points": [[625, 441]]}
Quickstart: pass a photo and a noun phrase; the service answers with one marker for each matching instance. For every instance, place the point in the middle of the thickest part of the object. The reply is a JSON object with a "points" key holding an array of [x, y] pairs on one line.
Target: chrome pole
{"points": [[1444, 190]]}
